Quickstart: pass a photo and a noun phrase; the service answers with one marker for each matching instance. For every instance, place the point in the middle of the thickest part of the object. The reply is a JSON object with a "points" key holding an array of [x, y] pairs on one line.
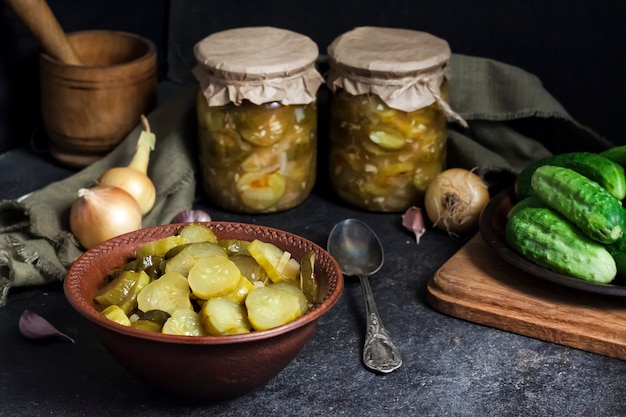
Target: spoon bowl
{"points": [[356, 248], [358, 252]]}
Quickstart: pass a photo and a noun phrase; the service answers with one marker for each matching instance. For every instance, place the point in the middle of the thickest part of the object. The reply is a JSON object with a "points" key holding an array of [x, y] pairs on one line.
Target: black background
{"points": [[575, 47]]}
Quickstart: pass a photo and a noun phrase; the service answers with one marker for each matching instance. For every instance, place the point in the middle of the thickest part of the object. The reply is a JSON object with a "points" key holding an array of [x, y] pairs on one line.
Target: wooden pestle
{"points": [[40, 20]]}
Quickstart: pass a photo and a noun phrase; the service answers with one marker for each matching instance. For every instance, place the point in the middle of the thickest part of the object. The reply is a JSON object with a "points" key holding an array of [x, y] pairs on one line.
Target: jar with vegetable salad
{"points": [[388, 116], [257, 117]]}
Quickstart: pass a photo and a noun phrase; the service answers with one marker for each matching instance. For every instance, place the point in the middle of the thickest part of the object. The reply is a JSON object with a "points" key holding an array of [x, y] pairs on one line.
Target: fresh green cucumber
{"points": [[548, 239], [617, 250], [596, 167], [616, 154], [522, 185], [583, 201], [530, 201]]}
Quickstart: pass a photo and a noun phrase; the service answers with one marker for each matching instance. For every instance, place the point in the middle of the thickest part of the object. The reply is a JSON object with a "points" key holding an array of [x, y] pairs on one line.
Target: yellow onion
{"points": [[101, 213], [134, 178], [455, 199]]}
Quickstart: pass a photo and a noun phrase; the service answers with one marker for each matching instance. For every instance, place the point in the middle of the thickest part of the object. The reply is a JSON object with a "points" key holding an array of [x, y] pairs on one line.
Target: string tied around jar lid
{"points": [[451, 114]]}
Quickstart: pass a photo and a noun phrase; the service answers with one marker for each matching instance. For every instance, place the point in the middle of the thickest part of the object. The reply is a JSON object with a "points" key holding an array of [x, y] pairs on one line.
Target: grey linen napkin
{"points": [[36, 246], [512, 121]]}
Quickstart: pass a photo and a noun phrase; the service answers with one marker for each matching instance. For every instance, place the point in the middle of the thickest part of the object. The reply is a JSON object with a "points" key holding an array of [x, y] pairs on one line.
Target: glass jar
{"points": [[257, 118], [388, 117]]}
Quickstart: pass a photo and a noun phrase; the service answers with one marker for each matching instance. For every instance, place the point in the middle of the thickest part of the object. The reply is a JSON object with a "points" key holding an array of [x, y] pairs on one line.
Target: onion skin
{"points": [[134, 178], [454, 201], [134, 182], [101, 213]]}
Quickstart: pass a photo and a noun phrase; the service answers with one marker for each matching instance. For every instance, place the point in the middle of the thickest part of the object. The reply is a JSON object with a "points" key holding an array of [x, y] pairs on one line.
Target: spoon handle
{"points": [[379, 352]]}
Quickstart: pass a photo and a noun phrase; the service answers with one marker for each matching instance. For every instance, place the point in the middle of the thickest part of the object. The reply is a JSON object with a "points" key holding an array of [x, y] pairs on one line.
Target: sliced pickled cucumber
{"points": [[392, 169], [116, 314], [278, 264], [293, 288], [411, 124], [235, 246], [387, 139], [301, 144], [371, 149], [425, 173], [263, 160], [225, 149], [250, 268], [151, 321], [221, 316], [381, 112], [184, 323], [371, 143], [264, 125], [266, 134], [268, 137], [174, 251], [116, 290], [190, 254], [432, 145], [197, 232], [213, 276], [302, 173], [241, 291], [150, 264], [129, 302], [404, 123], [211, 118], [348, 159], [308, 282], [259, 191], [348, 107], [159, 247], [168, 293], [270, 307]]}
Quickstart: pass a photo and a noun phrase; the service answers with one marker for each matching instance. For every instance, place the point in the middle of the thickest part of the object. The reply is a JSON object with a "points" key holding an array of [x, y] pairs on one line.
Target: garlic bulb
{"points": [[190, 216]]}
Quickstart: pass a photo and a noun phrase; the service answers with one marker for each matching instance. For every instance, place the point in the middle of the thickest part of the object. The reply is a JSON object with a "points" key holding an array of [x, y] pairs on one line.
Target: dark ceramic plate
{"points": [[492, 224]]}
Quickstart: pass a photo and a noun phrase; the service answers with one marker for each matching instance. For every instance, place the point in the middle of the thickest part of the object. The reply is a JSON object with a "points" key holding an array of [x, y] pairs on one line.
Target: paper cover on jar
{"points": [[405, 68], [258, 64]]}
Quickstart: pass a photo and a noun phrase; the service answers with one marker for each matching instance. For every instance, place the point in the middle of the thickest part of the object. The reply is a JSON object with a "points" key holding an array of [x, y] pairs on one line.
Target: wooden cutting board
{"points": [[478, 286]]}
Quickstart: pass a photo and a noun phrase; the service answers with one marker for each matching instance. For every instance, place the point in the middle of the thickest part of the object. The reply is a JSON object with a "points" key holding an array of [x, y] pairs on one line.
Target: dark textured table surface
{"points": [[451, 367]]}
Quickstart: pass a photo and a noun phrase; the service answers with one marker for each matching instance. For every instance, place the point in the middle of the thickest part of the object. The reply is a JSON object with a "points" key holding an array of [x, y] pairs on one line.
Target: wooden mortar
{"points": [[88, 109]]}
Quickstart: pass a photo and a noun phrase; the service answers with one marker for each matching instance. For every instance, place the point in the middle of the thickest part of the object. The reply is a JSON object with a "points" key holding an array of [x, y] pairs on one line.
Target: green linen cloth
{"points": [[36, 246], [512, 121]]}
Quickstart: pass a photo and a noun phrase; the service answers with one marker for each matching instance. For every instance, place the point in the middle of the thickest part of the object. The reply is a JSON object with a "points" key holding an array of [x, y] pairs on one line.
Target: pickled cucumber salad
{"points": [[194, 284], [257, 158], [383, 159]]}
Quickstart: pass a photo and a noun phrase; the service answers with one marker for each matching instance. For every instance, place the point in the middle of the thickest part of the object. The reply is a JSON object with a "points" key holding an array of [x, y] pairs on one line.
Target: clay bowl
{"points": [[207, 368]]}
